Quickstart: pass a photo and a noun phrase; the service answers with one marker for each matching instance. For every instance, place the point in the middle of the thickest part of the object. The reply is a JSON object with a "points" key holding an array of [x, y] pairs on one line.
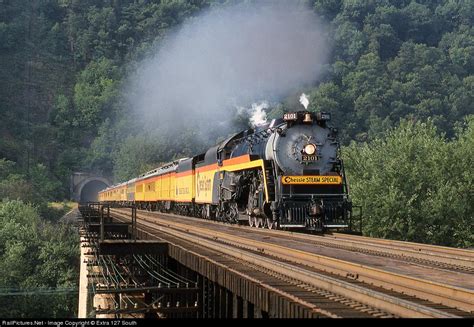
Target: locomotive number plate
{"points": [[309, 158], [325, 180], [290, 116]]}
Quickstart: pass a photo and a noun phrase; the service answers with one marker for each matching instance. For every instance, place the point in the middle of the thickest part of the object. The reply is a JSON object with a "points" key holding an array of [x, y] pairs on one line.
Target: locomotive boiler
{"points": [[285, 174]]}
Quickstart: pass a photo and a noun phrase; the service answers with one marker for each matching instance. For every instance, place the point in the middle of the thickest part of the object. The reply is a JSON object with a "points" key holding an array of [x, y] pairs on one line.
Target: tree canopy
{"points": [[415, 185], [65, 63], [36, 255]]}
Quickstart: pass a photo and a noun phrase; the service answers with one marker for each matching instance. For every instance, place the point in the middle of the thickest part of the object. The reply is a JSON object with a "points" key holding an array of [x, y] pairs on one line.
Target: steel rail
{"points": [[357, 307], [444, 257], [382, 301], [306, 304], [462, 254], [454, 257], [234, 247], [437, 258], [432, 259], [434, 292]]}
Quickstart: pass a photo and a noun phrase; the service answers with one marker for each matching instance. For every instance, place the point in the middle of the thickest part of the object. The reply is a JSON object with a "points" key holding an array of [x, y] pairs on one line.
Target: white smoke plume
{"points": [[226, 58], [258, 115], [304, 100]]}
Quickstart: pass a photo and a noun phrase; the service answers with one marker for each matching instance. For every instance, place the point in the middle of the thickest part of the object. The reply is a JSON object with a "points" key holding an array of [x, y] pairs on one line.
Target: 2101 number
{"points": [[307, 157]]}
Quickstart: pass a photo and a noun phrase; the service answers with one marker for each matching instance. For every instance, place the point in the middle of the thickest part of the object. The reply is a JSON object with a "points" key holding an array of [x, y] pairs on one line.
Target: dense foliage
{"points": [[415, 185], [64, 63], [39, 255], [38, 258], [396, 59]]}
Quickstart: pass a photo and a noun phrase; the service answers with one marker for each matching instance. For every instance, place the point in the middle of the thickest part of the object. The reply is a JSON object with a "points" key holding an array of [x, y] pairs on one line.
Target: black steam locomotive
{"points": [[302, 185]]}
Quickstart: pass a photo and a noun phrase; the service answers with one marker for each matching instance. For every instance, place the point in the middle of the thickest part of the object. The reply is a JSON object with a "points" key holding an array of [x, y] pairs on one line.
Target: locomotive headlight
{"points": [[310, 149]]}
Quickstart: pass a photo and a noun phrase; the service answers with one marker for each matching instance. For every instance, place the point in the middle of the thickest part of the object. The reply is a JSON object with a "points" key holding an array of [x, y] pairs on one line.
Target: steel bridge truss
{"points": [[130, 278]]}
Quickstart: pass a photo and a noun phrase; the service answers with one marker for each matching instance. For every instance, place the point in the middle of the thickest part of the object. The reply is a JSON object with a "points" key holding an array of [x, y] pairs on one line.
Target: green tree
{"points": [[35, 254], [136, 155], [413, 185], [95, 91]]}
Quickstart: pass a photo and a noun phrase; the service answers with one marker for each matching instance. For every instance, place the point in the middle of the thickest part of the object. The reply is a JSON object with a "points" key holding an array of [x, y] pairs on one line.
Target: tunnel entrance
{"points": [[90, 191], [84, 187]]}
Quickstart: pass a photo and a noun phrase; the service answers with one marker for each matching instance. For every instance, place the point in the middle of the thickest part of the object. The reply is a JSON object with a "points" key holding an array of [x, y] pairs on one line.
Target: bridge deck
{"points": [[435, 281], [284, 274]]}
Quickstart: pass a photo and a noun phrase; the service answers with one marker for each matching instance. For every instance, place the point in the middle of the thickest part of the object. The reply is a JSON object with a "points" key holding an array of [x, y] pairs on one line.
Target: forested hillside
{"points": [[397, 59], [64, 63], [61, 65]]}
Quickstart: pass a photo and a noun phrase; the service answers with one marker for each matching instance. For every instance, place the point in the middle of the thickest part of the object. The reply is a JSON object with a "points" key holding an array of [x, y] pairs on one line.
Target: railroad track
{"points": [[457, 260], [384, 292], [318, 302], [454, 256]]}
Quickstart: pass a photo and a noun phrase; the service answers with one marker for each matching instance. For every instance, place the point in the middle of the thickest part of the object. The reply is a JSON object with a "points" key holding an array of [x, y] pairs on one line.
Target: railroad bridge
{"points": [[136, 263], [84, 187]]}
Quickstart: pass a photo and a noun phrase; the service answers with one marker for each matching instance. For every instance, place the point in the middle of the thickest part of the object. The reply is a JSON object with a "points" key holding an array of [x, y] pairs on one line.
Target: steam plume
{"points": [[304, 100], [226, 58], [258, 116]]}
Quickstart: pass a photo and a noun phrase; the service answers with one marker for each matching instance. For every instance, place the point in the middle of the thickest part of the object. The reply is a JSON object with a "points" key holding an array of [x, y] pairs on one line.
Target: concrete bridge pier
{"points": [[85, 299]]}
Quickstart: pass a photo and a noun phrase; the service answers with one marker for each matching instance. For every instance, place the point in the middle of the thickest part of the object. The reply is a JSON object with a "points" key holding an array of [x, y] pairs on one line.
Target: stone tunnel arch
{"points": [[85, 187], [90, 189]]}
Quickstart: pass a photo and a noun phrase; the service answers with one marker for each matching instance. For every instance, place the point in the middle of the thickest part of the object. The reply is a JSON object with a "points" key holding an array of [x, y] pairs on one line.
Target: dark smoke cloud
{"points": [[226, 58]]}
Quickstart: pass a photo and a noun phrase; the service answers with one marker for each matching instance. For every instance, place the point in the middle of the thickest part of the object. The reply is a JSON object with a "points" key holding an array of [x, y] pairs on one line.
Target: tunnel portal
{"points": [[86, 186], [90, 191]]}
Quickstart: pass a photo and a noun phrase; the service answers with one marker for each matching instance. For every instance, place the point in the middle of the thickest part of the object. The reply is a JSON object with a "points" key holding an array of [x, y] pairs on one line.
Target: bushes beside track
{"points": [[416, 185], [39, 261]]}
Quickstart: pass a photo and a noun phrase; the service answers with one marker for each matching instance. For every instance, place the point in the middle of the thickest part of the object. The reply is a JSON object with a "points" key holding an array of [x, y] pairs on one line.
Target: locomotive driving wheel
{"points": [[232, 213], [251, 221], [272, 224]]}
